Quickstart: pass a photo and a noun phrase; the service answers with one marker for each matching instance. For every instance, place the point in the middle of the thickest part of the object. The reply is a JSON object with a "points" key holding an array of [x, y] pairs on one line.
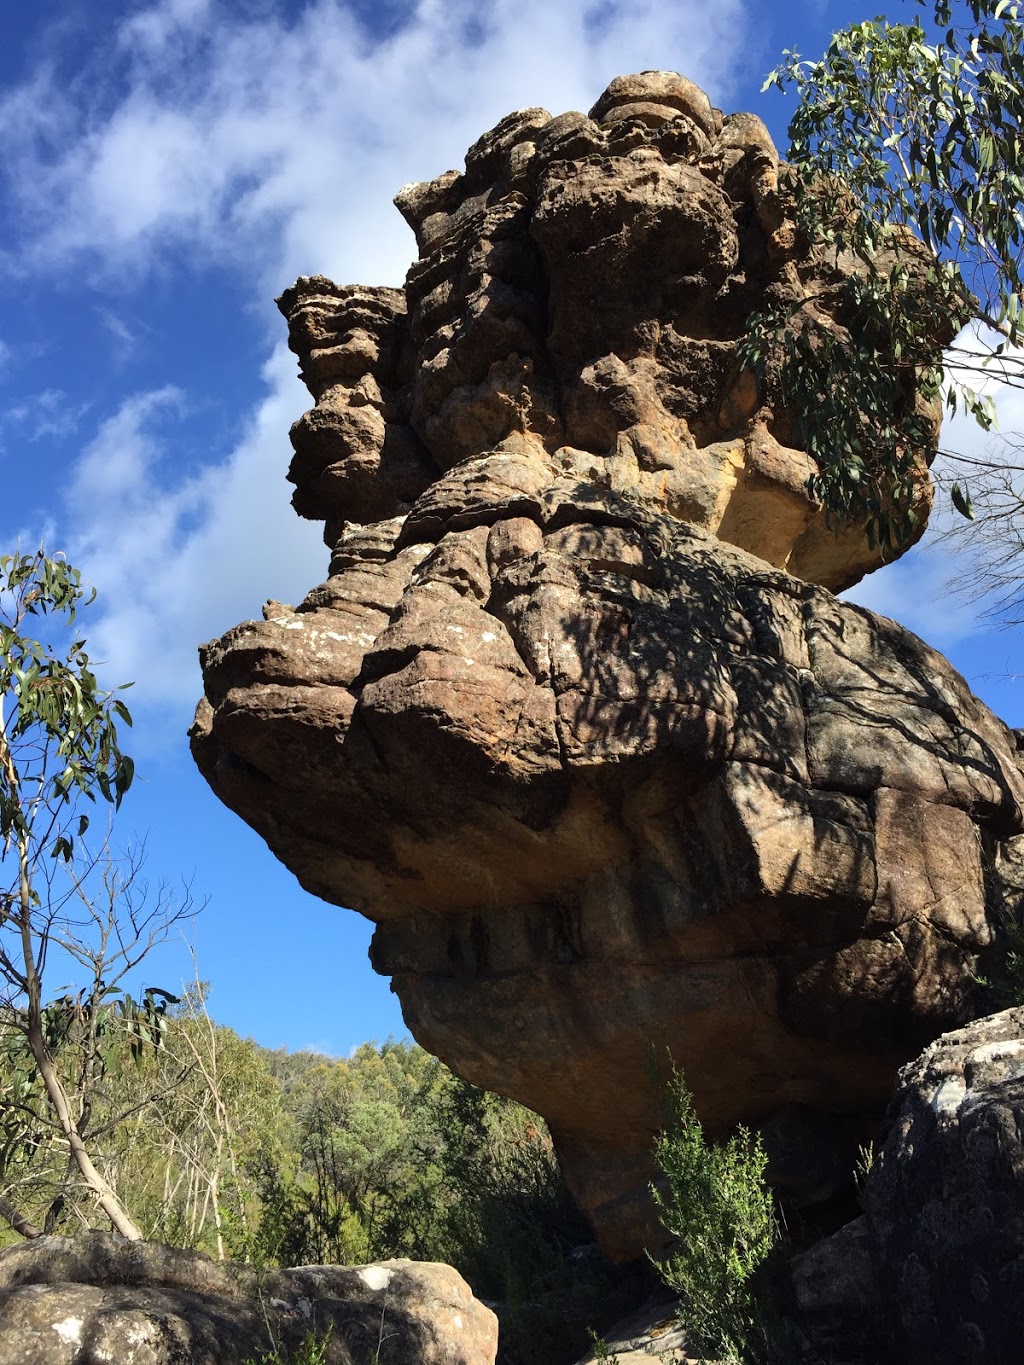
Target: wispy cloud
{"points": [[178, 561], [125, 340], [48, 413], [916, 592], [277, 143], [154, 28], [116, 469]]}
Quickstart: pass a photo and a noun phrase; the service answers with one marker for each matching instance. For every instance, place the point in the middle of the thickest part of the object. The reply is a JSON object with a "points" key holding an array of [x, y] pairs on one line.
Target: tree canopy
{"points": [[906, 134]]}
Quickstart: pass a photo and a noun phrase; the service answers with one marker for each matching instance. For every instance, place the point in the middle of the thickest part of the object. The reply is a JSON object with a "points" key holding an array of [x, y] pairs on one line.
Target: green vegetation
{"points": [[281, 1159], [389, 1154], [312, 1350], [908, 128], [714, 1203], [59, 752]]}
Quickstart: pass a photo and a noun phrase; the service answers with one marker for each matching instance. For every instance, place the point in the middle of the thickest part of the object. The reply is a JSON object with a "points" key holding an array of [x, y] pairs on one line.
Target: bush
{"points": [[389, 1154], [714, 1203]]}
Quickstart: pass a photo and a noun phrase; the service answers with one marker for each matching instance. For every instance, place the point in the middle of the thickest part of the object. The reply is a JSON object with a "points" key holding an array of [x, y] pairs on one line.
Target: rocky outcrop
{"points": [[64, 1301], [837, 1310], [640, 790], [571, 324], [612, 782], [945, 1199]]}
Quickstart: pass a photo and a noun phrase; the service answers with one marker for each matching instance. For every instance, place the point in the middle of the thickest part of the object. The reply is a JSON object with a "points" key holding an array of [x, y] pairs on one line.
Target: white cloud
{"points": [[269, 145], [151, 30], [281, 144], [179, 562], [48, 413], [115, 470]]}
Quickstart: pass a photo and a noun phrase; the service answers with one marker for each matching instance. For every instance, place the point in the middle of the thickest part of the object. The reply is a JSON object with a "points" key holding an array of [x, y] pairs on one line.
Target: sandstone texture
{"points": [[95, 1300], [945, 1199], [570, 329], [653, 1332], [575, 718]]}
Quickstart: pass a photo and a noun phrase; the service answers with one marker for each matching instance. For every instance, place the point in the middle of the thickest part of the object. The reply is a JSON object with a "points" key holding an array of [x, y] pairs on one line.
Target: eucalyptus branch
{"points": [[899, 125], [58, 745]]}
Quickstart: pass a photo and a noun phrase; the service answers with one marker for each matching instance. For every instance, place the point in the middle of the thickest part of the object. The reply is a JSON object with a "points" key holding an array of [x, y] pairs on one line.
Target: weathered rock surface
{"points": [[605, 787], [572, 321], [653, 1332], [605, 781], [95, 1300], [945, 1199], [838, 1308]]}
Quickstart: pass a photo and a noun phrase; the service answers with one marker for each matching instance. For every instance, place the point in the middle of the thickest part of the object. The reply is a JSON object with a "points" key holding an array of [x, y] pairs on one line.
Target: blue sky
{"points": [[168, 169]]}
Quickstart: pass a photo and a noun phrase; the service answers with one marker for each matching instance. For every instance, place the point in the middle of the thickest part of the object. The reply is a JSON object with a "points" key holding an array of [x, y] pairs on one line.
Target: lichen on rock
{"points": [[95, 1297]]}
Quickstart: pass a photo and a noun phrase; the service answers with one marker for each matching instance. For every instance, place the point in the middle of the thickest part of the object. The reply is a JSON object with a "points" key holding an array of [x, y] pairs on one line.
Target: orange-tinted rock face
{"points": [[578, 296], [605, 781]]}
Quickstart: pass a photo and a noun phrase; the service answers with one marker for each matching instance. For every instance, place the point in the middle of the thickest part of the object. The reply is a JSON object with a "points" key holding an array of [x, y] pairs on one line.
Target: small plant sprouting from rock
{"points": [[312, 1350], [599, 1347], [713, 1201], [865, 1163]]}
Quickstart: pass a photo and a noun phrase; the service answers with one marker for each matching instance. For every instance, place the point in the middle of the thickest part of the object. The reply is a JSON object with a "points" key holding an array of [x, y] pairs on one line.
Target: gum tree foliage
{"points": [[906, 128], [59, 756], [713, 1202]]}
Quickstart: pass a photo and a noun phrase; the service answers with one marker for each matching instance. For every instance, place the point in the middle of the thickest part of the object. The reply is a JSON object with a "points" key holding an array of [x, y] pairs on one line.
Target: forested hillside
{"points": [[289, 1158]]}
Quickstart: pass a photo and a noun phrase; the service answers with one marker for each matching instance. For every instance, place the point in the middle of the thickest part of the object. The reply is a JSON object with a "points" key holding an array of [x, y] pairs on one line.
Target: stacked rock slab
{"points": [[575, 717]]}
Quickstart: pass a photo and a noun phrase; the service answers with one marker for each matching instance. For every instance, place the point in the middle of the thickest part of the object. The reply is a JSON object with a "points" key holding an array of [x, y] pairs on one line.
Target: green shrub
{"points": [[312, 1350], [1003, 985], [714, 1203]]}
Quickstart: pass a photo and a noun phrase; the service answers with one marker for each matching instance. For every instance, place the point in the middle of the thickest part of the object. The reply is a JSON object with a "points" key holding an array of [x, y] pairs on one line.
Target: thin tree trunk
{"points": [[218, 1221], [21, 1225], [105, 1196], [55, 1092]]}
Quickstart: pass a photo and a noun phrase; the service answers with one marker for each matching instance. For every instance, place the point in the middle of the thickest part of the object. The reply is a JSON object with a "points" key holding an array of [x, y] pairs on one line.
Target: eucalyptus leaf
{"points": [[917, 131]]}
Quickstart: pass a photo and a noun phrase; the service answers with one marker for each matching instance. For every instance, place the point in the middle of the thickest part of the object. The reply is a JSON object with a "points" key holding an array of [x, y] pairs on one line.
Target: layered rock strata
{"points": [[572, 319], [572, 718]]}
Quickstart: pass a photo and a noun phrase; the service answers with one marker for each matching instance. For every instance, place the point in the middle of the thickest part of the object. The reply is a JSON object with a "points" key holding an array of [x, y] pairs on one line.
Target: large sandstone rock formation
{"points": [[575, 717]]}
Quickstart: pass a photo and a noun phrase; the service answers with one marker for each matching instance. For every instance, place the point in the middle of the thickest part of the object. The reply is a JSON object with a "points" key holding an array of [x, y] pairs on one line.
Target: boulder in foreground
{"points": [[945, 1198], [95, 1300]]}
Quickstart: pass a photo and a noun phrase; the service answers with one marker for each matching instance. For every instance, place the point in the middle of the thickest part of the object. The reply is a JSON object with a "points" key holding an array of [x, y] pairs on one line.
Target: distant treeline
{"points": [[290, 1158]]}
